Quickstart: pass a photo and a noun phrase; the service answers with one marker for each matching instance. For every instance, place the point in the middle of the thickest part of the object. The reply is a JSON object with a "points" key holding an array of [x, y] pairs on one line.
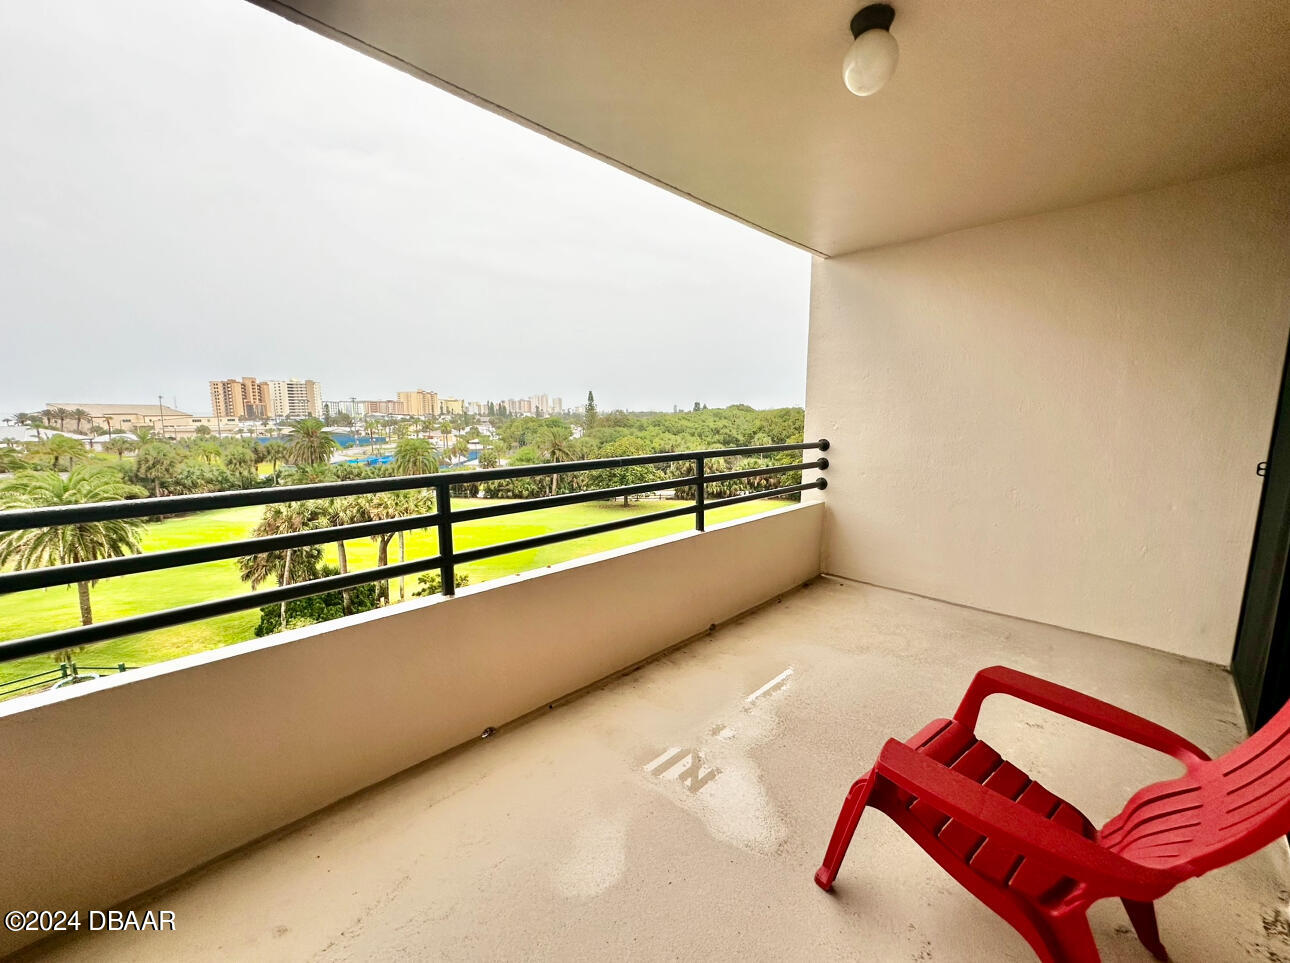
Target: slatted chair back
{"points": [[1218, 813]]}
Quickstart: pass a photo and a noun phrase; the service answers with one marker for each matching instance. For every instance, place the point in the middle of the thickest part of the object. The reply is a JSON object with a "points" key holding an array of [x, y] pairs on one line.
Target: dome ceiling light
{"points": [[871, 60]]}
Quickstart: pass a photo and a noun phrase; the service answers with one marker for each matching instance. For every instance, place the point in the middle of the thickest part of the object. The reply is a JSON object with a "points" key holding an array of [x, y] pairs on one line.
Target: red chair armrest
{"points": [[994, 815], [1000, 680]]}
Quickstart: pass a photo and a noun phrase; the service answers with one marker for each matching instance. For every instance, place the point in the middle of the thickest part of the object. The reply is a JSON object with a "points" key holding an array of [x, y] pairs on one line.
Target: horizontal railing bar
{"points": [[568, 467], [15, 519], [34, 675], [132, 625], [772, 493], [23, 581], [540, 541], [182, 504], [572, 498], [820, 463], [30, 685]]}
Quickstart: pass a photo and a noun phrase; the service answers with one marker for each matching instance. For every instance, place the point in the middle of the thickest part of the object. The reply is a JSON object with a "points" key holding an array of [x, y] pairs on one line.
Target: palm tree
{"points": [[57, 414], [309, 474], [415, 456], [11, 460], [553, 447], [240, 460], [60, 446], [288, 566], [69, 544], [80, 414], [345, 511], [488, 458], [145, 433], [208, 451], [275, 452], [461, 449], [310, 444], [389, 505], [119, 446], [157, 462]]}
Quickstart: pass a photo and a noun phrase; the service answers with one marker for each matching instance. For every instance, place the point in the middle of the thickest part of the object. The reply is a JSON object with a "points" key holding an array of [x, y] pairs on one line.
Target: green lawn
{"points": [[45, 610]]}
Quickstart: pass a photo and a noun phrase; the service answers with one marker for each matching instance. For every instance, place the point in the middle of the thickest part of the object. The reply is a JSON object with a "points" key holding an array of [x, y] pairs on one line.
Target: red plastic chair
{"points": [[1035, 859]]}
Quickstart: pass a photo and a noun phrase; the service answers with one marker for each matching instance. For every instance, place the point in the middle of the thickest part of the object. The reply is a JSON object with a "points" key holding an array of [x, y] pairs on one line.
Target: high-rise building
{"points": [[295, 399], [384, 407], [345, 406], [313, 394], [420, 403], [226, 399], [244, 398], [451, 406], [248, 398]]}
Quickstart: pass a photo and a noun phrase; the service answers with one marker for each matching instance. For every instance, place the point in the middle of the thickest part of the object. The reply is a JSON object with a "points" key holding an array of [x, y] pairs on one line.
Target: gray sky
{"points": [[197, 190]]}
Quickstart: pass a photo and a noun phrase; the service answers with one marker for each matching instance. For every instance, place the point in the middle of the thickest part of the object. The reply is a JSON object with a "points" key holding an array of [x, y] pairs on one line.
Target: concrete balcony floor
{"points": [[680, 811]]}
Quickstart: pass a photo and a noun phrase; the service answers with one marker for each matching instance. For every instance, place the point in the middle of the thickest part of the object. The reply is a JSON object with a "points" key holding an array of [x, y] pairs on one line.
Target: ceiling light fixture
{"points": [[872, 58]]}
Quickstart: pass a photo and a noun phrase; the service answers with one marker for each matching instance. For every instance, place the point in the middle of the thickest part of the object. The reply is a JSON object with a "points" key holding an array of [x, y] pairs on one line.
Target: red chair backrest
{"points": [[1218, 813]]}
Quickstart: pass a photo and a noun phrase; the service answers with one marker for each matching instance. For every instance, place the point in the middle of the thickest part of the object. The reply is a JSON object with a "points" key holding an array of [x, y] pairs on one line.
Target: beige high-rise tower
{"points": [[420, 403]]}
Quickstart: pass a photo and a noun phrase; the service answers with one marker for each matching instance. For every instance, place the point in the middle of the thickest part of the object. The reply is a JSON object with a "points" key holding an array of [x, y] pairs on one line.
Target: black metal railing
{"points": [[66, 672], [442, 519]]}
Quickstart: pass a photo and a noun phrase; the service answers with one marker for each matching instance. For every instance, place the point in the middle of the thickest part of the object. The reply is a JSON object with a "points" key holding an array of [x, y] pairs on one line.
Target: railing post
{"points": [[698, 495], [443, 502]]}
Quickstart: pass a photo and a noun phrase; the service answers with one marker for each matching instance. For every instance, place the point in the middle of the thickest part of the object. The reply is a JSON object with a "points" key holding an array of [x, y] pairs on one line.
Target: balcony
{"points": [[674, 810], [1048, 332]]}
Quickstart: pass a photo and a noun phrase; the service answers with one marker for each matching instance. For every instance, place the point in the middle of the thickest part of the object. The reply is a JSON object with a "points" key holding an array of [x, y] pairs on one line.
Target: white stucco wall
{"points": [[1059, 417], [115, 787]]}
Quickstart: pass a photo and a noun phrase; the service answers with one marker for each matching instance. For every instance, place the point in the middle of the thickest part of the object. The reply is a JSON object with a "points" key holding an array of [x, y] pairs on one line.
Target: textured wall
{"points": [[1059, 417]]}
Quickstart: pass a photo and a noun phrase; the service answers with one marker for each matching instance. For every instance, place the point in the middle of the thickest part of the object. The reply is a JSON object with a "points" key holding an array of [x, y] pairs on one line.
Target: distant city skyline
{"points": [[205, 188]]}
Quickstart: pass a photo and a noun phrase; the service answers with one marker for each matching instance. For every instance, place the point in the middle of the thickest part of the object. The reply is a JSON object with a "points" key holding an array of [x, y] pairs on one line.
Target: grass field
{"points": [[46, 610]]}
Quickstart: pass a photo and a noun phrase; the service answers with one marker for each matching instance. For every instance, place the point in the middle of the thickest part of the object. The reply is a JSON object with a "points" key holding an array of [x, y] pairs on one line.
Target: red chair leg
{"points": [[845, 828], [1069, 939], [1143, 918]]}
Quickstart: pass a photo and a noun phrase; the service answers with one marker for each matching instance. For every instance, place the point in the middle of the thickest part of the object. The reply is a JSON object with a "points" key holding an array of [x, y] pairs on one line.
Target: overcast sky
{"points": [[197, 190]]}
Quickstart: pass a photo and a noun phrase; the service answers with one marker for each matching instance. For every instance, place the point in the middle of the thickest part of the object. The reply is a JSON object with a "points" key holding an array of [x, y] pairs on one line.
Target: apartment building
{"points": [[245, 399], [294, 399], [420, 403], [385, 407], [451, 406]]}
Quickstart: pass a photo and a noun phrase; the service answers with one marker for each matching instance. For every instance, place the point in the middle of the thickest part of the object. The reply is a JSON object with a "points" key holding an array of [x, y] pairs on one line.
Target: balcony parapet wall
{"points": [[164, 768]]}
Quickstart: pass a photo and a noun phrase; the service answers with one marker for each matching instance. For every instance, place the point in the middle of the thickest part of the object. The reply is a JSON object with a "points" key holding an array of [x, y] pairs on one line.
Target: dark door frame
{"points": [[1261, 658]]}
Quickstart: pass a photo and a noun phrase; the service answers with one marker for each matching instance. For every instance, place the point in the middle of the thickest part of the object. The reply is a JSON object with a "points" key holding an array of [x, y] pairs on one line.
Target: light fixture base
{"points": [[876, 16]]}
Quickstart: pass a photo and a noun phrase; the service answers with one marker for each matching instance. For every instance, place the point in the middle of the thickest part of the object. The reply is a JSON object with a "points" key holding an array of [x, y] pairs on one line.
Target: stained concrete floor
{"points": [[679, 812]]}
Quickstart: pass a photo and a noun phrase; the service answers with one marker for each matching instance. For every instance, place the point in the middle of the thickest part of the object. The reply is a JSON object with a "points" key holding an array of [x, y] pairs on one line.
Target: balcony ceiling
{"points": [[996, 110]]}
